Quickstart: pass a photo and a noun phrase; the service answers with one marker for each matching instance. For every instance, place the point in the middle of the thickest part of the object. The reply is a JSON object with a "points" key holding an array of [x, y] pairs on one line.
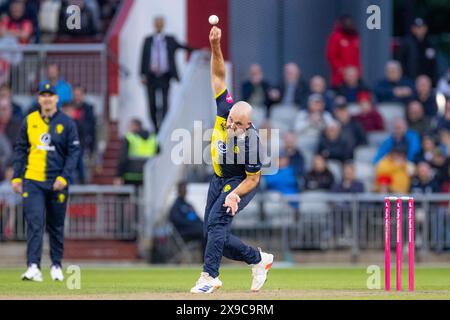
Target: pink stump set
{"points": [[387, 241]]}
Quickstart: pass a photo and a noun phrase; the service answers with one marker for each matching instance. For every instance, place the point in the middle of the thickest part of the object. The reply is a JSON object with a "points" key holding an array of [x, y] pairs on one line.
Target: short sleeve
{"points": [[253, 161], [224, 103]]}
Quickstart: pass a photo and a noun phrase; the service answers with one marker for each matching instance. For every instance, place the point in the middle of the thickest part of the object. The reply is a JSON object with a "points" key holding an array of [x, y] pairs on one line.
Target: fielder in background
{"points": [[45, 156], [237, 167]]}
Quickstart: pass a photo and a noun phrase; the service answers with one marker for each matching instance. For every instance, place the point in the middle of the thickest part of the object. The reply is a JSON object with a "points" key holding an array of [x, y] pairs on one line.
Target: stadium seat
{"points": [[336, 169], [284, 113], [389, 112], [313, 203], [375, 139], [307, 144], [365, 154], [250, 216], [284, 127], [258, 115], [365, 172], [276, 209]]}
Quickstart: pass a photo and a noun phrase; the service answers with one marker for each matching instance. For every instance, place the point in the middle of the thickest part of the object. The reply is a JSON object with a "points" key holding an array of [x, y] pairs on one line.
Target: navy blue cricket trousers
{"points": [[44, 207], [217, 224]]}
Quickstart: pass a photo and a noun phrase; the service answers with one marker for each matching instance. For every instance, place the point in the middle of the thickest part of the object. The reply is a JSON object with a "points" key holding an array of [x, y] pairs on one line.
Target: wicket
{"points": [[387, 241]]}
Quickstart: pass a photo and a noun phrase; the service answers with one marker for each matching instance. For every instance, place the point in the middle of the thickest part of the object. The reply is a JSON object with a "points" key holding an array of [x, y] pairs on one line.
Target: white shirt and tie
{"points": [[159, 58]]}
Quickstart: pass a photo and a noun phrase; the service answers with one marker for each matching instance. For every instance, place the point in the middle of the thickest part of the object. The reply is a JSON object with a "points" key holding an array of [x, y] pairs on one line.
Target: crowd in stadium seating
{"points": [[35, 21], [389, 138]]}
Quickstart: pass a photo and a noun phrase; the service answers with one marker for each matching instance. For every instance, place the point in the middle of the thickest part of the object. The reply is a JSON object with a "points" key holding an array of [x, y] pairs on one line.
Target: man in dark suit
{"points": [[158, 68]]}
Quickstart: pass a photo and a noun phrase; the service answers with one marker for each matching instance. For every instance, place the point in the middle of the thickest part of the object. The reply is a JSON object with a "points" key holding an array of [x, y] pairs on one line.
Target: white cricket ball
{"points": [[213, 19]]}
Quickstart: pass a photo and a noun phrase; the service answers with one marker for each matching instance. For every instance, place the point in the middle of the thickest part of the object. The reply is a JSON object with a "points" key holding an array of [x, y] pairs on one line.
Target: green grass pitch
{"points": [[174, 283]]}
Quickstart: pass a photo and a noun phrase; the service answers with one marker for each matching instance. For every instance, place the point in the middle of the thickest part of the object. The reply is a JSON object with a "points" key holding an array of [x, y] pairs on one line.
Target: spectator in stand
{"points": [[440, 161], [419, 54], [138, 146], [5, 152], [293, 90], [352, 132], [184, 217], [15, 24], [369, 118], [9, 125], [428, 150], [108, 8], [284, 181], [425, 94], [443, 121], [310, 123], [79, 174], [394, 87], [401, 137], [443, 85], [416, 118], [423, 180], [320, 177], [256, 90], [343, 50], [445, 183], [352, 85], [349, 183], [9, 201], [5, 93], [32, 8], [392, 172], [444, 139], [88, 19], [332, 146], [318, 85], [296, 158], [84, 115], [63, 88]]}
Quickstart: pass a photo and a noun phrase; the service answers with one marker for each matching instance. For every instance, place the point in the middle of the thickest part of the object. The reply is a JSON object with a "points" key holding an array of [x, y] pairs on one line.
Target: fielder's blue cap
{"points": [[47, 88]]}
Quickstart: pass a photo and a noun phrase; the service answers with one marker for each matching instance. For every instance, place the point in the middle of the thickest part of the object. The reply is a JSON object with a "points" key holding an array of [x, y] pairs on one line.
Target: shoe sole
{"points": [[267, 268], [34, 280]]}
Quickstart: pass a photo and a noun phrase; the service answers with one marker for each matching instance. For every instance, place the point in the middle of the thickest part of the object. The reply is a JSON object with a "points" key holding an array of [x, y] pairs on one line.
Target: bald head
{"points": [[239, 119]]}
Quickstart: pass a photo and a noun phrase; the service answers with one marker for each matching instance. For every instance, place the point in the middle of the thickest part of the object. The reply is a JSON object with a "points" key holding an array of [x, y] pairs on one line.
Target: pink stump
{"points": [[387, 244], [411, 243], [399, 245]]}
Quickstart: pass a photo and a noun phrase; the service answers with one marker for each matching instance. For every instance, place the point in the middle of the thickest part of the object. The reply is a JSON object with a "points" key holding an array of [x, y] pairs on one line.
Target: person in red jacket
{"points": [[343, 49]]}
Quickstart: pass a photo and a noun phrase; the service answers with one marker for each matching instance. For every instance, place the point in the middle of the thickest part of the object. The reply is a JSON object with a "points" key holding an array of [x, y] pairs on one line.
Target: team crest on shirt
{"points": [[226, 188], [59, 128], [46, 139], [236, 149], [222, 147]]}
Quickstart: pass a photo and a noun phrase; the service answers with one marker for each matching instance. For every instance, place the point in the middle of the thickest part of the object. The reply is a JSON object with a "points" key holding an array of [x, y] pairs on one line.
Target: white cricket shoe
{"points": [[33, 274], [56, 273], [259, 271], [206, 284]]}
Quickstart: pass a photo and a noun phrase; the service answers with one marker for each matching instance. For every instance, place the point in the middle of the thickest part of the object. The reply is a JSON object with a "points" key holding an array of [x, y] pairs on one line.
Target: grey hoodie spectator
{"points": [[309, 123]]}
